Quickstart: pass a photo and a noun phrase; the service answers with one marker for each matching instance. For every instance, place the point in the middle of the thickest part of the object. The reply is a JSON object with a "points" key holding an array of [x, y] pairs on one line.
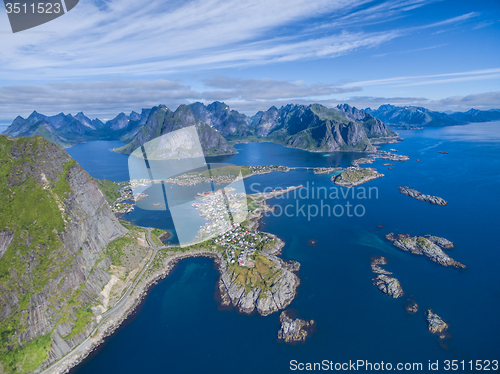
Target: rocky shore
{"points": [[442, 242], [294, 330], [421, 245], [361, 161], [408, 191], [128, 306], [254, 216], [265, 298]]}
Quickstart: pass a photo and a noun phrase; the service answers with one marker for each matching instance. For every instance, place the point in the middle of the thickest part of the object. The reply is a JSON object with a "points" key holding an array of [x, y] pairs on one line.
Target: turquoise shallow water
{"points": [[179, 328]]}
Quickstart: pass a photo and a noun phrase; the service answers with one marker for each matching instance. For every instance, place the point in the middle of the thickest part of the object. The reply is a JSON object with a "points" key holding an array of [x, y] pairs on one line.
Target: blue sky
{"points": [[105, 57]]}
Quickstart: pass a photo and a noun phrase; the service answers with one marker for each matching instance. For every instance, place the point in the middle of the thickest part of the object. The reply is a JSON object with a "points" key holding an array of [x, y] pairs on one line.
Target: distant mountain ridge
{"points": [[162, 121], [313, 127], [68, 130], [416, 117]]}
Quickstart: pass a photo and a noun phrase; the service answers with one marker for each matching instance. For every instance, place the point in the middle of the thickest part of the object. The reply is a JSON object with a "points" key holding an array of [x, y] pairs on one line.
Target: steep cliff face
{"points": [[373, 127], [162, 121], [54, 226], [267, 121], [313, 127], [219, 116]]}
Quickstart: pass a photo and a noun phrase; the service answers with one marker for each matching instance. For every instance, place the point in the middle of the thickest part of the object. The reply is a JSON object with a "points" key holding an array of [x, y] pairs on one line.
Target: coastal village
{"points": [[223, 175], [221, 209], [125, 203]]}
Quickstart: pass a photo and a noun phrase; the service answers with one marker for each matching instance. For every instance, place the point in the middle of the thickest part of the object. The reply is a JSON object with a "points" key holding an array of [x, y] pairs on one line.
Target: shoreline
{"points": [[109, 326], [97, 337]]}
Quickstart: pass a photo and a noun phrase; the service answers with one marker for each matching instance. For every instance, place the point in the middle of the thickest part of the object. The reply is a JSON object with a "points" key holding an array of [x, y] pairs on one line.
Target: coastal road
{"points": [[83, 346]]}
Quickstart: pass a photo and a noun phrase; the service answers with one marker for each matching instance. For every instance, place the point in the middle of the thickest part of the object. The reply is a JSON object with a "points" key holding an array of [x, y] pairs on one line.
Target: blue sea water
{"points": [[180, 329]]}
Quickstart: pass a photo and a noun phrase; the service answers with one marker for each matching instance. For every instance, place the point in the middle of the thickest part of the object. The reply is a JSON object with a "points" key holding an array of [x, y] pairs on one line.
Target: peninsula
{"points": [[252, 276]]}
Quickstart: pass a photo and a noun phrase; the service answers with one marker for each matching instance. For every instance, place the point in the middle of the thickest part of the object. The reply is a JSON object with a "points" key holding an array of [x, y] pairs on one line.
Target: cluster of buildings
{"points": [[221, 210], [120, 206], [260, 169], [240, 245], [189, 179]]}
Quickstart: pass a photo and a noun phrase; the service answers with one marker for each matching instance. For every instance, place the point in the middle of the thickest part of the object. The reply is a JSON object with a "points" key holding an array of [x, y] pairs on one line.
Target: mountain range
{"points": [[416, 117], [311, 127]]}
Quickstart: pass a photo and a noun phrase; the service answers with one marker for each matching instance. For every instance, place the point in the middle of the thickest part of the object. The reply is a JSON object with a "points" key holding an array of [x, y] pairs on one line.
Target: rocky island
{"points": [[294, 330], [408, 191], [388, 285], [363, 160], [436, 324], [412, 306], [421, 245], [354, 176], [375, 265], [384, 155]]}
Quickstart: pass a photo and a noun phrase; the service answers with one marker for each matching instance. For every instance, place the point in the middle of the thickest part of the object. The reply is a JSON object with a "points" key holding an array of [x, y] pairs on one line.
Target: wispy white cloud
{"points": [[409, 51], [483, 24], [125, 38], [430, 79], [106, 98]]}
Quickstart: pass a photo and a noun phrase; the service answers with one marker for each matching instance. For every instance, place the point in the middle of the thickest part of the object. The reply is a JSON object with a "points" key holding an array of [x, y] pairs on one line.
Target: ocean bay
{"points": [[180, 319]]}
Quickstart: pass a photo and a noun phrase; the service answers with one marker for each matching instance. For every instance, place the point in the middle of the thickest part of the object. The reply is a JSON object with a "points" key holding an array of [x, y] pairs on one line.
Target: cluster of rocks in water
{"points": [[408, 191], [391, 287], [428, 246], [384, 155], [294, 330], [412, 306], [388, 285]]}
